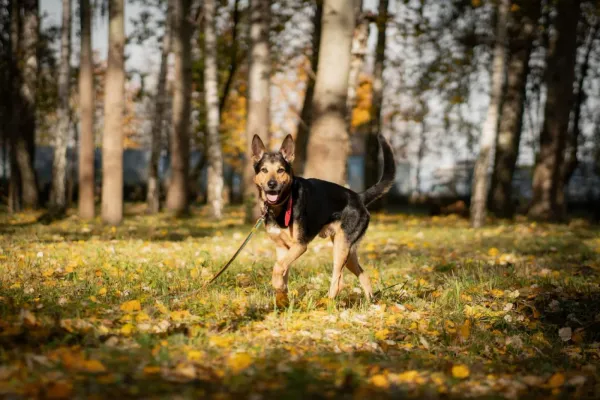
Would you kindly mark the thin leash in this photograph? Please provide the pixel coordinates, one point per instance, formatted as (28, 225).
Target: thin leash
(257, 225)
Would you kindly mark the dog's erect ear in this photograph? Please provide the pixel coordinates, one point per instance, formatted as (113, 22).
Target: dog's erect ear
(287, 149)
(258, 149)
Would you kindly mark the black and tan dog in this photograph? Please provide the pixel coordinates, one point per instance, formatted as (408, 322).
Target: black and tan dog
(300, 209)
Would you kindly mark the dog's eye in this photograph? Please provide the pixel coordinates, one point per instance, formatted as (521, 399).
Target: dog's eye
(264, 170)
(280, 171)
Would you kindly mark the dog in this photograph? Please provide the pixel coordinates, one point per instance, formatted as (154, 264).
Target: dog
(297, 210)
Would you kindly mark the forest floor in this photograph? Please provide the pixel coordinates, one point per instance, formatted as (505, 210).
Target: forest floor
(90, 311)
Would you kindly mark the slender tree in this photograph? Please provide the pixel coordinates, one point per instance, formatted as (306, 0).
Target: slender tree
(58, 200)
(86, 115)
(14, 188)
(521, 34)
(489, 132)
(328, 144)
(259, 77)
(306, 114)
(114, 103)
(560, 76)
(160, 100)
(211, 92)
(571, 161)
(25, 140)
(371, 143)
(177, 194)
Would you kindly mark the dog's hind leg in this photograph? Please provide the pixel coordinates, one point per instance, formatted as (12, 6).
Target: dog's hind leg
(354, 266)
(341, 250)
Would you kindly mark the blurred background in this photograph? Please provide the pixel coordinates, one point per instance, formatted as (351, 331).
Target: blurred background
(492, 106)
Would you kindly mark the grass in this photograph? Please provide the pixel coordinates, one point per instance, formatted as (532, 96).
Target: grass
(89, 311)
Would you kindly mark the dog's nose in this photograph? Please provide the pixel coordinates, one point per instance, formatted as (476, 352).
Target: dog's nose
(272, 184)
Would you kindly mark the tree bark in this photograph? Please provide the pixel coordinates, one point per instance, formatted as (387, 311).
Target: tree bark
(86, 115)
(521, 35)
(359, 52)
(160, 100)
(14, 188)
(114, 105)
(25, 140)
(489, 132)
(328, 145)
(304, 123)
(211, 91)
(178, 193)
(371, 172)
(560, 75)
(259, 99)
(58, 198)
(571, 161)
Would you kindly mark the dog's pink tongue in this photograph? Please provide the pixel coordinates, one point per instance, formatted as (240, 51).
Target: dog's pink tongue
(272, 197)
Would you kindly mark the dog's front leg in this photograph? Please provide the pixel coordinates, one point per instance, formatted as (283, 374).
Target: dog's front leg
(282, 266)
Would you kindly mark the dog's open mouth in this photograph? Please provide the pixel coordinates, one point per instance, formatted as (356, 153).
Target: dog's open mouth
(272, 197)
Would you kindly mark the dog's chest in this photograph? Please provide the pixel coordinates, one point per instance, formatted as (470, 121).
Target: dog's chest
(279, 234)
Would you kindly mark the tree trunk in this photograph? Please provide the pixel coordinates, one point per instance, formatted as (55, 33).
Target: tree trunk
(521, 35)
(177, 195)
(560, 76)
(306, 113)
(371, 144)
(86, 115)
(233, 57)
(358, 53)
(489, 132)
(160, 99)
(259, 99)
(58, 199)
(211, 92)
(114, 105)
(25, 140)
(570, 161)
(14, 188)
(328, 144)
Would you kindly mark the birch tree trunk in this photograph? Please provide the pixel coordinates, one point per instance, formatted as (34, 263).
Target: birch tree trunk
(371, 143)
(177, 195)
(489, 132)
(521, 32)
(25, 140)
(259, 99)
(328, 144)
(58, 195)
(160, 100)
(114, 104)
(546, 203)
(86, 115)
(306, 114)
(211, 92)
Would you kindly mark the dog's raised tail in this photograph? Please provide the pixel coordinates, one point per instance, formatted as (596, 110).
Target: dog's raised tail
(387, 178)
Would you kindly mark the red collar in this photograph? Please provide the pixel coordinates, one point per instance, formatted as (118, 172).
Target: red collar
(288, 212)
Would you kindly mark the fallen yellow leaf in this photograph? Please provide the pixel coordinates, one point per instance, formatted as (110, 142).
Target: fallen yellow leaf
(465, 330)
(127, 329)
(131, 306)
(92, 366)
(239, 362)
(382, 334)
(59, 390)
(460, 371)
(380, 380)
(102, 291)
(557, 380)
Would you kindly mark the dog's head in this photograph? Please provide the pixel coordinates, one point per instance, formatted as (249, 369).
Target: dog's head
(273, 170)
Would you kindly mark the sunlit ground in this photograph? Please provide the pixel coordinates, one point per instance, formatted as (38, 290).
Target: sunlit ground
(88, 311)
